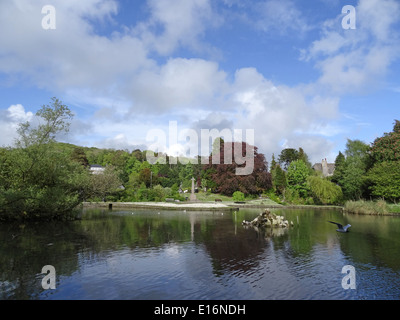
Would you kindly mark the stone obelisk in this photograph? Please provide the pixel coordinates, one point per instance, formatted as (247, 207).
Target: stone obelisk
(192, 195)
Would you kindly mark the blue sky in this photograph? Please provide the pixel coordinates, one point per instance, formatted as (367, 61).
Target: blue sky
(284, 68)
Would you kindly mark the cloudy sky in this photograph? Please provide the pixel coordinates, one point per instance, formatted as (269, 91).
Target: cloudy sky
(286, 69)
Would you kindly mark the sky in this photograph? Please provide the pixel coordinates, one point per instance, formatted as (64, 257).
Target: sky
(295, 73)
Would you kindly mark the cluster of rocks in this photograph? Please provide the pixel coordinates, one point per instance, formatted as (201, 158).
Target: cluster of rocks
(268, 219)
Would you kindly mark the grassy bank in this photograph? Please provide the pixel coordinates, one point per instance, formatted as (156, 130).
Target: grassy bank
(379, 207)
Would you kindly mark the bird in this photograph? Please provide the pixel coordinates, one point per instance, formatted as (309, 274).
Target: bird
(341, 227)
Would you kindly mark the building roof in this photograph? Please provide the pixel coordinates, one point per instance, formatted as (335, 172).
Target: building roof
(96, 166)
(330, 168)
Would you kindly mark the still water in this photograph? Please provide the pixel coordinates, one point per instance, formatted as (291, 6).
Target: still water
(144, 254)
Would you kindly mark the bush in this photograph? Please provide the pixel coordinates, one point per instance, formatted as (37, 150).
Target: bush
(379, 207)
(324, 191)
(271, 195)
(297, 175)
(238, 196)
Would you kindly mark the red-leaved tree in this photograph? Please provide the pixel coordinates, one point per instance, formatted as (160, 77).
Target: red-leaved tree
(231, 157)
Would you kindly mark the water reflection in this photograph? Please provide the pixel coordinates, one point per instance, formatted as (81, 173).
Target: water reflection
(200, 255)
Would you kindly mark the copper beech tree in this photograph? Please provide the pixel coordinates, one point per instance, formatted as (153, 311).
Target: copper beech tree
(225, 177)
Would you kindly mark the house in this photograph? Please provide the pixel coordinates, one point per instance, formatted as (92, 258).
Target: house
(96, 169)
(326, 168)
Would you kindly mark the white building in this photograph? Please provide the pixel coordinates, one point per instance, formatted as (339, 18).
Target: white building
(96, 169)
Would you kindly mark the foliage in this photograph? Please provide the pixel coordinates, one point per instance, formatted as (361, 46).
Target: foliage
(304, 157)
(324, 192)
(224, 175)
(340, 166)
(292, 196)
(280, 181)
(297, 175)
(42, 178)
(353, 182)
(37, 180)
(238, 196)
(394, 208)
(379, 207)
(272, 196)
(287, 156)
(387, 148)
(103, 184)
(56, 119)
(79, 155)
(351, 170)
(384, 180)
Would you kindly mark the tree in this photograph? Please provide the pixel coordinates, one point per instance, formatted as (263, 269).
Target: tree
(323, 191)
(297, 175)
(303, 156)
(287, 156)
(56, 118)
(384, 180)
(357, 149)
(38, 181)
(79, 155)
(146, 177)
(340, 166)
(352, 180)
(280, 181)
(238, 196)
(387, 148)
(103, 184)
(223, 176)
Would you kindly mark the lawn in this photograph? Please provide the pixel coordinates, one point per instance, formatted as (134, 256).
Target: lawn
(210, 197)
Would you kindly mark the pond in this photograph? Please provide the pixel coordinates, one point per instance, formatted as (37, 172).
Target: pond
(150, 254)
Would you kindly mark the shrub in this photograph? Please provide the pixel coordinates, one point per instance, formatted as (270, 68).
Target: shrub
(379, 207)
(238, 196)
(324, 191)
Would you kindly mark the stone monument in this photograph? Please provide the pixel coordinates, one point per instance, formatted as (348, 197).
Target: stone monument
(192, 195)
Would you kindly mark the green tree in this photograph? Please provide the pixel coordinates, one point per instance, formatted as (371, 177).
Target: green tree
(238, 196)
(287, 156)
(39, 181)
(384, 180)
(297, 175)
(79, 155)
(340, 166)
(352, 181)
(104, 184)
(280, 181)
(56, 119)
(323, 191)
(387, 148)
(303, 156)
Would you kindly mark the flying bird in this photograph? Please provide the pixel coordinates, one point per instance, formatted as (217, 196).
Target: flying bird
(341, 228)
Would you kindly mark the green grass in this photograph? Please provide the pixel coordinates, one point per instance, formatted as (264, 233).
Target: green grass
(205, 196)
(394, 208)
(379, 207)
(210, 197)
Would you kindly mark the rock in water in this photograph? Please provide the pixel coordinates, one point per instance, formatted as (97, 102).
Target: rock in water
(268, 219)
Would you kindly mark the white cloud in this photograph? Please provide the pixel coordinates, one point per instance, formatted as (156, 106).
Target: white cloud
(180, 83)
(281, 16)
(131, 87)
(9, 121)
(277, 112)
(17, 113)
(176, 23)
(72, 55)
(354, 60)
